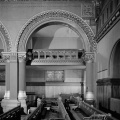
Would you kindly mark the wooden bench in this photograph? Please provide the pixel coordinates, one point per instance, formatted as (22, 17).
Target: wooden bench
(63, 111)
(88, 112)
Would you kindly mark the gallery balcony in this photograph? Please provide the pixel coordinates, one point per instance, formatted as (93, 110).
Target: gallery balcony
(55, 57)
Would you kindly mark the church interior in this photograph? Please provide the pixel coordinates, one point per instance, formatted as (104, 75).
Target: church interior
(59, 59)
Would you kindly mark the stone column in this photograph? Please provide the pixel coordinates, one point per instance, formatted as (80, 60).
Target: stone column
(22, 80)
(89, 57)
(12, 69)
(6, 57)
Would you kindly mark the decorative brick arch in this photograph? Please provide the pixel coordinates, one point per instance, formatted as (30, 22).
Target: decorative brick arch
(4, 37)
(55, 16)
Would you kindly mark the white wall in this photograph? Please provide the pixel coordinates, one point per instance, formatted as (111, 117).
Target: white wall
(71, 83)
(105, 47)
(56, 37)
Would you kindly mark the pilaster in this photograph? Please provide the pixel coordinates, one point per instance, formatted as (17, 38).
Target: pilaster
(6, 57)
(22, 80)
(10, 99)
(89, 58)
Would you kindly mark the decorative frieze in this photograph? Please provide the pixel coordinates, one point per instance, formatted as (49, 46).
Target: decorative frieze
(13, 56)
(57, 62)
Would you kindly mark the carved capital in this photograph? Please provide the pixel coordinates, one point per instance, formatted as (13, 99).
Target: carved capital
(89, 57)
(13, 56)
(21, 56)
(6, 56)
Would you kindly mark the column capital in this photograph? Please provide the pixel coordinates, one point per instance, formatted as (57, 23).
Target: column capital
(13, 56)
(89, 56)
(6, 55)
(21, 56)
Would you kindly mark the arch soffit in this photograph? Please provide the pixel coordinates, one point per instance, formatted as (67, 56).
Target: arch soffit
(58, 16)
(4, 37)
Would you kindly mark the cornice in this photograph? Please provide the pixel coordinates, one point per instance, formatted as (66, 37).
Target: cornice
(57, 62)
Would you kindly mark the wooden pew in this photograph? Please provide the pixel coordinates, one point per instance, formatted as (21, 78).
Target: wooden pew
(63, 110)
(13, 114)
(35, 114)
(91, 113)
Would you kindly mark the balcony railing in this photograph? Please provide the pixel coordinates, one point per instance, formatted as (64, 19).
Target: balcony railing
(55, 55)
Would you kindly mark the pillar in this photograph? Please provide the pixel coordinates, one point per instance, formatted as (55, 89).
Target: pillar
(12, 83)
(7, 78)
(22, 80)
(89, 77)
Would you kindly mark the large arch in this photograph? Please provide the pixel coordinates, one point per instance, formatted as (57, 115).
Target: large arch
(74, 21)
(4, 37)
(114, 61)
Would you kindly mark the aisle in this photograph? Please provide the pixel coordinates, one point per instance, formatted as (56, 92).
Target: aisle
(51, 114)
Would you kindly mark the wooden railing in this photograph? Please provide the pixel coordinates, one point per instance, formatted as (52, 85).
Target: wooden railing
(35, 114)
(13, 114)
(59, 54)
(55, 57)
(63, 111)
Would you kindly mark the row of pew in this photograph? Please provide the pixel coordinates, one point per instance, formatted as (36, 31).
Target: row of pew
(78, 109)
(40, 112)
(81, 110)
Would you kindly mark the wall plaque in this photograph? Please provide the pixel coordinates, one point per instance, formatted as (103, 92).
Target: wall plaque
(88, 10)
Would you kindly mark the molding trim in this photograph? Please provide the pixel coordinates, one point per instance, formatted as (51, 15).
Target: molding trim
(54, 16)
(4, 37)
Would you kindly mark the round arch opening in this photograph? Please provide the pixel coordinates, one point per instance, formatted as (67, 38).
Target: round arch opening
(114, 66)
(57, 16)
(55, 35)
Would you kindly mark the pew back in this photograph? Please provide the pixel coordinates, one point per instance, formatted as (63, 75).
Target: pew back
(13, 114)
(63, 111)
(35, 114)
(92, 112)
